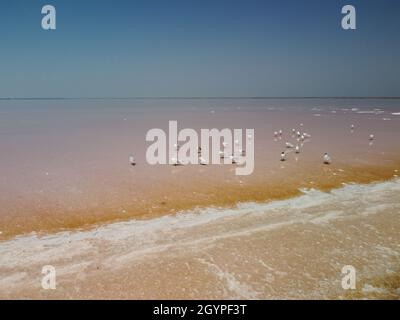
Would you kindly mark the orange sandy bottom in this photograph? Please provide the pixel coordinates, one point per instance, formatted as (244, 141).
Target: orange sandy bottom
(287, 249)
(191, 189)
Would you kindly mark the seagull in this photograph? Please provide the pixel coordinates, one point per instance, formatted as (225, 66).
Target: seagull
(280, 132)
(371, 137)
(283, 156)
(276, 133)
(222, 154)
(132, 161)
(202, 161)
(175, 162)
(289, 145)
(306, 135)
(297, 149)
(294, 130)
(352, 127)
(199, 150)
(233, 159)
(298, 134)
(327, 159)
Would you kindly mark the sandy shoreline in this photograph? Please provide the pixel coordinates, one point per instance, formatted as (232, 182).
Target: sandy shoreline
(199, 194)
(253, 251)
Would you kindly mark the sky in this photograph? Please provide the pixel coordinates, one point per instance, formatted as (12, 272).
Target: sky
(199, 48)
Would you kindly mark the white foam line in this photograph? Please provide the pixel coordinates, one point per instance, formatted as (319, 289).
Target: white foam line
(239, 289)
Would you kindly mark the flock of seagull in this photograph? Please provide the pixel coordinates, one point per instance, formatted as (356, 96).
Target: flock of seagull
(303, 137)
(234, 158)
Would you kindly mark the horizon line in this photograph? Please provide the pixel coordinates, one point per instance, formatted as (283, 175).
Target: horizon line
(198, 98)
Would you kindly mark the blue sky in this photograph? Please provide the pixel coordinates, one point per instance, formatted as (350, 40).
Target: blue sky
(199, 48)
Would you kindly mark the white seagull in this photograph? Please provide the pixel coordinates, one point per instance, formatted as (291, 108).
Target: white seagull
(283, 156)
(132, 160)
(289, 145)
(202, 161)
(297, 149)
(327, 159)
(175, 162)
(371, 137)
